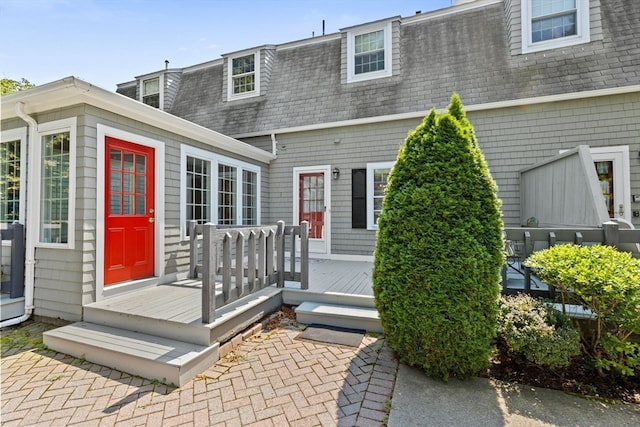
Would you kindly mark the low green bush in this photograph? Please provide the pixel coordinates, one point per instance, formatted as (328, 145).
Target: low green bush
(537, 331)
(607, 282)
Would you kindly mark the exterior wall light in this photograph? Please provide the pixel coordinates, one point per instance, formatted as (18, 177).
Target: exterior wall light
(336, 173)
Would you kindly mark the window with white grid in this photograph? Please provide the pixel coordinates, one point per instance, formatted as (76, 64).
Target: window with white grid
(198, 190)
(549, 24)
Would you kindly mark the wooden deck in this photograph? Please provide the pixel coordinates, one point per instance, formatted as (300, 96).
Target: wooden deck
(181, 302)
(344, 277)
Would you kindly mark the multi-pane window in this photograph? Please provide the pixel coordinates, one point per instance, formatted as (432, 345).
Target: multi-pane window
(549, 24)
(218, 189)
(369, 52)
(243, 75)
(151, 92)
(249, 197)
(227, 192)
(198, 190)
(380, 177)
(128, 183)
(377, 178)
(552, 19)
(9, 181)
(54, 223)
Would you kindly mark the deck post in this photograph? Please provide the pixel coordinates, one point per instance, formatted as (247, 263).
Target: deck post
(528, 250)
(611, 233)
(210, 265)
(193, 250)
(280, 253)
(304, 255)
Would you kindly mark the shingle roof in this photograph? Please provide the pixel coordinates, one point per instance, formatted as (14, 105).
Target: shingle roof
(469, 52)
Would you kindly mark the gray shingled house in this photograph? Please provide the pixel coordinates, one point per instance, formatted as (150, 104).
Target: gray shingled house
(101, 207)
(551, 87)
(536, 77)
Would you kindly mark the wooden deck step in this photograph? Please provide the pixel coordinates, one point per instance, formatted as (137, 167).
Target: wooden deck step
(153, 357)
(344, 316)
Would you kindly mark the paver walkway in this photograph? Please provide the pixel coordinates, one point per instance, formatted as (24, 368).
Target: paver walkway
(271, 379)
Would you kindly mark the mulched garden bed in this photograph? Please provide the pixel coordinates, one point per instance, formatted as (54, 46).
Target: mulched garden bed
(579, 377)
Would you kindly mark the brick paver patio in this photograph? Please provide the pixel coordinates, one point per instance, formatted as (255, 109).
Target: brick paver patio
(271, 379)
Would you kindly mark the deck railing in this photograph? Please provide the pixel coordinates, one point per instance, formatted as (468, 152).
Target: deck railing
(523, 242)
(12, 281)
(243, 260)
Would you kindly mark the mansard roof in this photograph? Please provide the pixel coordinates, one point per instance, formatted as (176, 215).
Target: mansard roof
(472, 49)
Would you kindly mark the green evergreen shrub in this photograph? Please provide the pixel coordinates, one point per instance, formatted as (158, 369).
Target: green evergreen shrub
(607, 282)
(439, 249)
(537, 331)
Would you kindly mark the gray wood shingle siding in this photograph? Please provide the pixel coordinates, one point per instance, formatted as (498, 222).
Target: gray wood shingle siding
(473, 49)
(472, 52)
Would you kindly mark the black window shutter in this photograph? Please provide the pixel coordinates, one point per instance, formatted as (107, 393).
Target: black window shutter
(359, 198)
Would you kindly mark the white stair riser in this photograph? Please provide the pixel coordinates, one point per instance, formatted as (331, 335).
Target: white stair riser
(297, 297)
(368, 325)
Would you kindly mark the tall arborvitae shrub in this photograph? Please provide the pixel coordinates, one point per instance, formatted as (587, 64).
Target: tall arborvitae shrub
(439, 249)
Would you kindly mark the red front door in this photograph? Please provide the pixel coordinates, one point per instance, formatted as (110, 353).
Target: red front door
(129, 216)
(312, 202)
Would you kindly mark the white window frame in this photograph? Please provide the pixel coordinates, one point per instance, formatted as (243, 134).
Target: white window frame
(371, 168)
(256, 72)
(215, 160)
(582, 30)
(388, 52)
(50, 128)
(19, 134)
(160, 78)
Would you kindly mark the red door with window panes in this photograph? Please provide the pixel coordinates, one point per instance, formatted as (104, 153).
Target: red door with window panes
(129, 212)
(312, 204)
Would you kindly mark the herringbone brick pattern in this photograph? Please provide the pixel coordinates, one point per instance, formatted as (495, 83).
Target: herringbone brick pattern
(272, 379)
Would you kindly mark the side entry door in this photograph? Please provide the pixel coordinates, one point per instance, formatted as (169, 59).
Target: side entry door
(130, 212)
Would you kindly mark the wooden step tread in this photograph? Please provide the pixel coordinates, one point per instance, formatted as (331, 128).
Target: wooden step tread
(135, 344)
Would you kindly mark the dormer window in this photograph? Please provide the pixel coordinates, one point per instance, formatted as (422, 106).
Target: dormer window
(369, 52)
(244, 76)
(548, 24)
(151, 92)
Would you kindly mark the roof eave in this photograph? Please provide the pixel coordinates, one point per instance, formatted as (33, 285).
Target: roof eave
(72, 91)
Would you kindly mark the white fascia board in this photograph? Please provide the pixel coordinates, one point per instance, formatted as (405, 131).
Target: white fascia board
(420, 114)
(72, 91)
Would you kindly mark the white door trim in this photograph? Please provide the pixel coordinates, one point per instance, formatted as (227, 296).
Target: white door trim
(317, 247)
(619, 155)
(102, 132)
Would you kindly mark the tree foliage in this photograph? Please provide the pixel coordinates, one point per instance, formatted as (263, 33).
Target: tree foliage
(9, 86)
(439, 249)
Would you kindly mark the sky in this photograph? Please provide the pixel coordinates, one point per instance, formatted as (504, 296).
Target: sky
(106, 42)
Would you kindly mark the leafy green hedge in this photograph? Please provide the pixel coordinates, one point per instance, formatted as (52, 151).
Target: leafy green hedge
(607, 282)
(537, 332)
(439, 249)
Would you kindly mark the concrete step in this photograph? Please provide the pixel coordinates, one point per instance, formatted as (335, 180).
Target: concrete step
(169, 361)
(344, 316)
